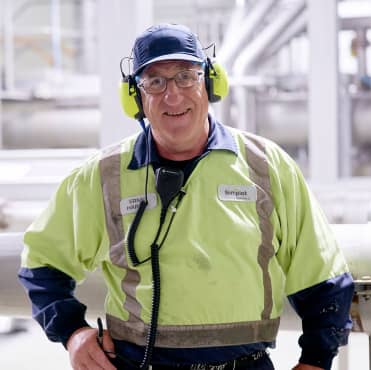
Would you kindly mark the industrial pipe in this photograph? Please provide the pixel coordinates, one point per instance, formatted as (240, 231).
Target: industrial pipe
(241, 29)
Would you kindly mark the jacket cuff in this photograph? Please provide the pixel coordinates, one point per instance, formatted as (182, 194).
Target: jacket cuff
(317, 358)
(71, 329)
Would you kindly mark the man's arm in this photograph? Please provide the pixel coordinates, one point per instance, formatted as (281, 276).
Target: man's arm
(54, 306)
(62, 317)
(324, 310)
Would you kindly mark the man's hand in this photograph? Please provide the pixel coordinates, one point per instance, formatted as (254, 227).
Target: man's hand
(306, 367)
(84, 350)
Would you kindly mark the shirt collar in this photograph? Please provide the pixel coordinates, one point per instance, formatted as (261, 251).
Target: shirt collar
(219, 139)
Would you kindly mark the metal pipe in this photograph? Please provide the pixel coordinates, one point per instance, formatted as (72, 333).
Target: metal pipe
(250, 55)
(323, 91)
(297, 27)
(55, 18)
(345, 131)
(241, 29)
(86, 19)
(1, 115)
(64, 128)
(361, 52)
(9, 79)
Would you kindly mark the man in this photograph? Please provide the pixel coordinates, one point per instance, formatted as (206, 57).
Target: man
(200, 230)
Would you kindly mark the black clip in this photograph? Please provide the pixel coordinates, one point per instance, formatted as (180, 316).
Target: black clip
(100, 333)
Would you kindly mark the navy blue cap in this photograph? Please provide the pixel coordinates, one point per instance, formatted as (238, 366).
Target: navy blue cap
(166, 42)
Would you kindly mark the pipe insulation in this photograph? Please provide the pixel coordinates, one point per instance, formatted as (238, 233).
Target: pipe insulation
(285, 120)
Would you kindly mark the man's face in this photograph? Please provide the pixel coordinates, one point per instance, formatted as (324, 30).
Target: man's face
(178, 116)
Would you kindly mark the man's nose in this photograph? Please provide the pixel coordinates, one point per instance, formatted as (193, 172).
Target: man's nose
(172, 92)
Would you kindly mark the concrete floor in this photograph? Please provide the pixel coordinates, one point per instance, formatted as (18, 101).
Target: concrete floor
(27, 348)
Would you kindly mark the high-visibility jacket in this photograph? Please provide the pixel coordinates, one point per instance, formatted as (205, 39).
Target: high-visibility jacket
(246, 233)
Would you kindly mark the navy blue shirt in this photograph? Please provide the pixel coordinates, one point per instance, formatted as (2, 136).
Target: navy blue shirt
(323, 308)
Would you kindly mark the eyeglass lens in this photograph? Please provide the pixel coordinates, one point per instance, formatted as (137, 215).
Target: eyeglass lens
(183, 79)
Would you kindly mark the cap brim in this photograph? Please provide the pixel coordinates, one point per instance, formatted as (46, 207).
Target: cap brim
(179, 56)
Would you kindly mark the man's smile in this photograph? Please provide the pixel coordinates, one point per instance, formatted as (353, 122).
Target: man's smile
(177, 114)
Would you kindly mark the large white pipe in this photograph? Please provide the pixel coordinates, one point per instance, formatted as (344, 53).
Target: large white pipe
(63, 128)
(247, 58)
(241, 29)
(297, 27)
(361, 119)
(285, 119)
(255, 49)
(354, 240)
(56, 40)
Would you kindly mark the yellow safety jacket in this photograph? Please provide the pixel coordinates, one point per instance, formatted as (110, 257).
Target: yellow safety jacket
(246, 233)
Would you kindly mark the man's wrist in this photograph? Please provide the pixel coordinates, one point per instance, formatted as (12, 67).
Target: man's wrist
(76, 332)
(301, 366)
(321, 359)
(72, 330)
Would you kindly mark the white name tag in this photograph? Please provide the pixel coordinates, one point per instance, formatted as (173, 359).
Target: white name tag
(131, 204)
(239, 193)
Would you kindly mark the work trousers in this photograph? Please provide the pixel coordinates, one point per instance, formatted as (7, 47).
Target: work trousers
(261, 363)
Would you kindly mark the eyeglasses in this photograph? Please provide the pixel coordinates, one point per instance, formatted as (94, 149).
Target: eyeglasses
(183, 79)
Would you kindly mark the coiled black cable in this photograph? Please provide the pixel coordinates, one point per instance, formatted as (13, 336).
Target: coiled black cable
(156, 290)
(132, 231)
(156, 284)
(168, 186)
(142, 206)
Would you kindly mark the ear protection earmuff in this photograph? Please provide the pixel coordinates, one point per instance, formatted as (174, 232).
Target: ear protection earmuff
(130, 99)
(216, 82)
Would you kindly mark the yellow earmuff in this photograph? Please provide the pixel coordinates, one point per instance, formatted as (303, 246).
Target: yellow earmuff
(217, 82)
(130, 98)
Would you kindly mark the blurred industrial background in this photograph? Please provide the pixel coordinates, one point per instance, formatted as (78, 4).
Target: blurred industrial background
(300, 74)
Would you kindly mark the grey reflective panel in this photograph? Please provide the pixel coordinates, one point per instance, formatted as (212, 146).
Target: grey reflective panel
(190, 336)
(259, 173)
(110, 173)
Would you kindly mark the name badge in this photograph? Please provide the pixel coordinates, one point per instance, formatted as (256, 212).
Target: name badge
(131, 204)
(239, 193)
